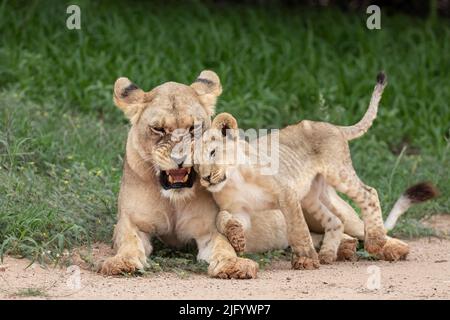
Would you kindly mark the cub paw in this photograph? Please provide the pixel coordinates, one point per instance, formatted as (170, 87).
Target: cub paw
(235, 234)
(347, 250)
(394, 250)
(118, 264)
(305, 263)
(327, 257)
(374, 243)
(235, 268)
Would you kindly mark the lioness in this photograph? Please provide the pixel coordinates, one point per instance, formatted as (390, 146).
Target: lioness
(160, 194)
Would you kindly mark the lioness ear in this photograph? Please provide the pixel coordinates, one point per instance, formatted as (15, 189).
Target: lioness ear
(128, 96)
(208, 87)
(223, 122)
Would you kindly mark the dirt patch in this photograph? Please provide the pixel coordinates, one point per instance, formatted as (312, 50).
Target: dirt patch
(90, 259)
(424, 275)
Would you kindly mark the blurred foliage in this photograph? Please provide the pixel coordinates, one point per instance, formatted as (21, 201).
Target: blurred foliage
(414, 7)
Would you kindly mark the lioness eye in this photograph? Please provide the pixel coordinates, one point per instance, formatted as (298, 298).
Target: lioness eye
(213, 153)
(158, 130)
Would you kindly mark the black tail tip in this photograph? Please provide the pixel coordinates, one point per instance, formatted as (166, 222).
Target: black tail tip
(381, 78)
(421, 192)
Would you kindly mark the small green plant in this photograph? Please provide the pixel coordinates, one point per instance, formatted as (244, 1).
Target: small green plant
(266, 258)
(181, 262)
(31, 292)
(363, 254)
(177, 265)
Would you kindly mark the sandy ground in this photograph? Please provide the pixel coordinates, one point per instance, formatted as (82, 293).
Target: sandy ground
(424, 275)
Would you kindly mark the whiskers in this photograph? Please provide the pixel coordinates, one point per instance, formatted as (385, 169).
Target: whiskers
(146, 164)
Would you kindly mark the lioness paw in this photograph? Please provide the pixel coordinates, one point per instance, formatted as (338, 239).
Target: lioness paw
(235, 234)
(118, 264)
(235, 268)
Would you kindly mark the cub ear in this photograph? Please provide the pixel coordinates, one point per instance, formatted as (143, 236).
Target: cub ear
(208, 87)
(128, 96)
(223, 122)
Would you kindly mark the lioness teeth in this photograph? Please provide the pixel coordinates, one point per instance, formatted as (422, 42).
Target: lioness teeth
(181, 175)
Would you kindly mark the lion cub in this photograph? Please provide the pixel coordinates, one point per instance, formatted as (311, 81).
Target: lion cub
(310, 155)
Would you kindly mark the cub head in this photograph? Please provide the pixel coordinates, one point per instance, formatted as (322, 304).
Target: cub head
(163, 123)
(219, 152)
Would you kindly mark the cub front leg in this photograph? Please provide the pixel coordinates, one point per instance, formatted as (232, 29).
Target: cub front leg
(223, 262)
(132, 247)
(304, 256)
(231, 228)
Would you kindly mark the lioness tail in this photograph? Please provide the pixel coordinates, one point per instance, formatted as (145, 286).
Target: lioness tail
(418, 193)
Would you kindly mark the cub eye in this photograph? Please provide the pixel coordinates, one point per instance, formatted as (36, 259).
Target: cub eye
(158, 130)
(212, 153)
(191, 129)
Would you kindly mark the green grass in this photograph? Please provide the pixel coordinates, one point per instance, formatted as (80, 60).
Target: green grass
(62, 140)
(179, 262)
(30, 292)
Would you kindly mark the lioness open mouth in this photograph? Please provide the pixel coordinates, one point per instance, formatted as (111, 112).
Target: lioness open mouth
(177, 178)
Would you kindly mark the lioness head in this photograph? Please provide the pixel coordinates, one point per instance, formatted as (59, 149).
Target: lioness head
(219, 154)
(164, 121)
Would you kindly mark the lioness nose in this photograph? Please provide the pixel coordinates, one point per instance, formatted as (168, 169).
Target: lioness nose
(179, 160)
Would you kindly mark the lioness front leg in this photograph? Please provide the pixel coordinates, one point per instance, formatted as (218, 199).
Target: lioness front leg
(304, 256)
(223, 262)
(231, 228)
(132, 247)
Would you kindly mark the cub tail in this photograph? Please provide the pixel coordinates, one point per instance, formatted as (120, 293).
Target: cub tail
(357, 130)
(415, 194)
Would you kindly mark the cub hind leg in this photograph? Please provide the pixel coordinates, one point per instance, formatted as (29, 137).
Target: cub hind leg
(393, 249)
(353, 225)
(346, 181)
(332, 225)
